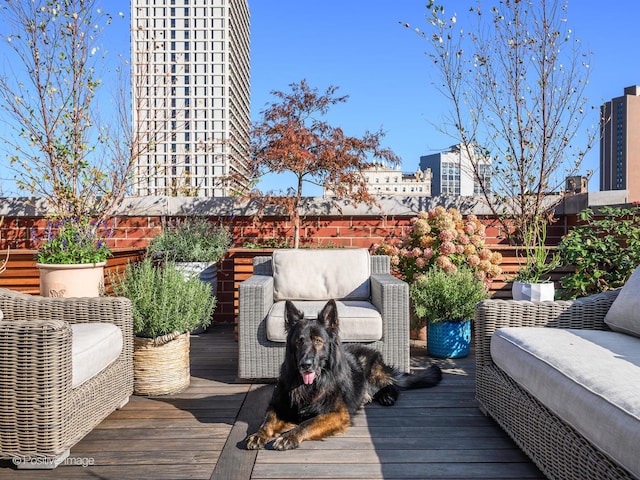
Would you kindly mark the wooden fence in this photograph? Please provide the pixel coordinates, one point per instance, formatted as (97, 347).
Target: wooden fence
(22, 274)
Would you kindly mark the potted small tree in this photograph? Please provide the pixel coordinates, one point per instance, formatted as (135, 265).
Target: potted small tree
(440, 238)
(446, 302)
(166, 307)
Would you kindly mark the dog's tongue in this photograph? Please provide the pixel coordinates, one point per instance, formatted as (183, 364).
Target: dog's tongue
(308, 377)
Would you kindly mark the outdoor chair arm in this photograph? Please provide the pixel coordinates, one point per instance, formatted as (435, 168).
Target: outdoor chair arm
(586, 313)
(17, 306)
(256, 294)
(36, 365)
(22, 306)
(390, 296)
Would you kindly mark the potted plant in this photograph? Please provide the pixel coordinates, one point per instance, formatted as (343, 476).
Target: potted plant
(446, 301)
(440, 238)
(532, 281)
(195, 246)
(166, 307)
(78, 167)
(71, 259)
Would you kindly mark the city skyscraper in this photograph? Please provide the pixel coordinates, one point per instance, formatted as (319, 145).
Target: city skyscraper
(620, 144)
(190, 95)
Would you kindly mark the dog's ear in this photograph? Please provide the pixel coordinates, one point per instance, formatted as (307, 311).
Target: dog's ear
(329, 315)
(291, 315)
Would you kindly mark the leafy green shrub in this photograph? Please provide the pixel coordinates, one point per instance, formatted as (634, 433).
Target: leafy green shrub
(163, 300)
(440, 296)
(191, 240)
(603, 251)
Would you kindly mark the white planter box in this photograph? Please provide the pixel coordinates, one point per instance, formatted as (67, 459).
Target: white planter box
(533, 291)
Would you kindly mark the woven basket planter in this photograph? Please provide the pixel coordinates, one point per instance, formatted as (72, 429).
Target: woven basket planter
(161, 365)
(449, 339)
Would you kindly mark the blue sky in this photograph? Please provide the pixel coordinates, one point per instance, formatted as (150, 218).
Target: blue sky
(360, 46)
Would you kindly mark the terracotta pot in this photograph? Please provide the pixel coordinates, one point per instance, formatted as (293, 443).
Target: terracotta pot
(418, 333)
(73, 280)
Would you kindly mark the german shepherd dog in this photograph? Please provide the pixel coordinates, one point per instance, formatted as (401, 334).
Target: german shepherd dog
(322, 382)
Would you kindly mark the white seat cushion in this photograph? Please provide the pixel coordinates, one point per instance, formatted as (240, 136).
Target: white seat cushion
(359, 321)
(93, 348)
(589, 378)
(624, 314)
(323, 274)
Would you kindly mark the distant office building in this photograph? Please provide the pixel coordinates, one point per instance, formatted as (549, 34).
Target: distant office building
(382, 180)
(620, 144)
(190, 84)
(452, 173)
(390, 181)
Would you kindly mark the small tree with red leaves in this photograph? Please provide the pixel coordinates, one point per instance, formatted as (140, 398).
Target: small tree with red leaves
(293, 137)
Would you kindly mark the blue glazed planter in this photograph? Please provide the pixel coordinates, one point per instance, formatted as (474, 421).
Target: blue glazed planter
(449, 339)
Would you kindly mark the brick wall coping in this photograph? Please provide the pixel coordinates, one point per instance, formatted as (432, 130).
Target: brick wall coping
(230, 207)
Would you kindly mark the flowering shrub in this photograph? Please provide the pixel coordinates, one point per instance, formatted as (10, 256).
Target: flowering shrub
(72, 241)
(444, 239)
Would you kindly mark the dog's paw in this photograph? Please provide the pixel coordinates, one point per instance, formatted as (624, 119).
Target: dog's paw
(387, 396)
(287, 441)
(256, 441)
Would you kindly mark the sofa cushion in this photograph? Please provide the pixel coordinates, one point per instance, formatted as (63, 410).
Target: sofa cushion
(589, 378)
(624, 314)
(305, 274)
(359, 321)
(94, 347)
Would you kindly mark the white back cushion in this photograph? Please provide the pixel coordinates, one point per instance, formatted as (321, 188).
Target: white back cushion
(624, 314)
(323, 274)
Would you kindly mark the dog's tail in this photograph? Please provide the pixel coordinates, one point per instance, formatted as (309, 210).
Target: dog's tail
(429, 377)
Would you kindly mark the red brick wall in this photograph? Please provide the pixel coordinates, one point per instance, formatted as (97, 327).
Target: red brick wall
(130, 233)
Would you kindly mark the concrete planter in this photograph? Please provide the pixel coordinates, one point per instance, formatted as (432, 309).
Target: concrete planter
(207, 272)
(537, 292)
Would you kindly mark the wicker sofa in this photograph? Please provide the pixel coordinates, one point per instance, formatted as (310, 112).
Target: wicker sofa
(362, 285)
(568, 394)
(54, 385)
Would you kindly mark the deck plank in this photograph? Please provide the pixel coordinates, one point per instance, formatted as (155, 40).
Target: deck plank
(436, 433)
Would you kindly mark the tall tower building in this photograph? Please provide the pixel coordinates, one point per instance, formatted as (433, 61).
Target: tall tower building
(190, 96)
(620, 144)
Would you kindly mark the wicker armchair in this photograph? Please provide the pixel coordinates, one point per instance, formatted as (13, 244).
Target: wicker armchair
(554, 446)
(41, 415)
(260, 358)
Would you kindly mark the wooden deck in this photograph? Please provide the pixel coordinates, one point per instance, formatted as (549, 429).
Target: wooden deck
(429, 434)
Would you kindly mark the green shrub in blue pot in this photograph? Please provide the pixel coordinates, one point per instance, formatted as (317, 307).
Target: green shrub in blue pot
(446, 302)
